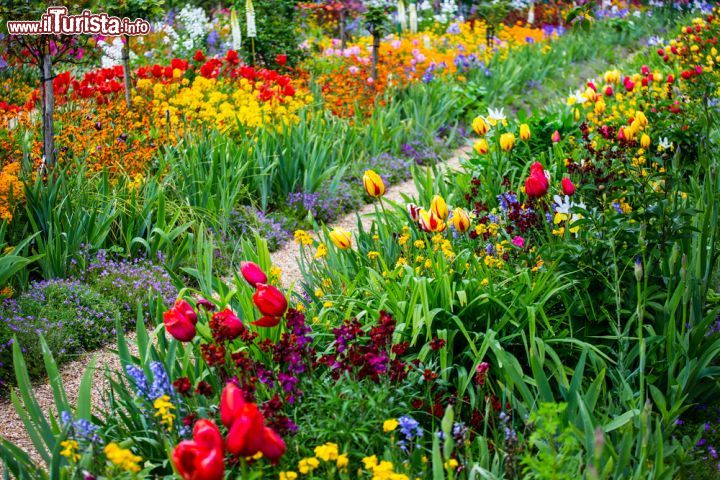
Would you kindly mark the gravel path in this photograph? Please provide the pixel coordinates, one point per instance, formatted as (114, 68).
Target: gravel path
(286, 258)
(12, 427)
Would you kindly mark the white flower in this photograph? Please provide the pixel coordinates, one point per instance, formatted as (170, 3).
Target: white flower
(664, 144)
(563, 204)
(496, 115)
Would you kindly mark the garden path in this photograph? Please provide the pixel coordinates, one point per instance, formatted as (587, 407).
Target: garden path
(12, 427)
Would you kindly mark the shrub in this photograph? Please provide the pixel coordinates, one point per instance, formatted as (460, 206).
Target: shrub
(129, 283)
(71, 316)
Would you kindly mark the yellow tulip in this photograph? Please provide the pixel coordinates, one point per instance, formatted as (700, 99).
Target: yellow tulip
(599, 107)
(439, 207)
(461, 220)
(480, 126)
(481, 146)
(430, 222)
(507, 141)
(374, 185)
(645, 140)
(640, 119)
(524, 132)
(341, 238)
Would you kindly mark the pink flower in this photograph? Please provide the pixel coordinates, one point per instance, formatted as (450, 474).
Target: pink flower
(556, 136)
(519, 241)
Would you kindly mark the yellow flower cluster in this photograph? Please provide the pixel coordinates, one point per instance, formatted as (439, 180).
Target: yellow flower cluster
(122, 457)
(303, 238)
(164, 408)
(382, 470)
(328, 453)
(70, 450)
(219, 103)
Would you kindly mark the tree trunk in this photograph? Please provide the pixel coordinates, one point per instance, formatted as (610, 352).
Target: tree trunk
(375, 54)
(48, 108)
(126, 70)
(343, 40)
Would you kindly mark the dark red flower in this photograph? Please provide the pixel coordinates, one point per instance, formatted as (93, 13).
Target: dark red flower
(269, 300)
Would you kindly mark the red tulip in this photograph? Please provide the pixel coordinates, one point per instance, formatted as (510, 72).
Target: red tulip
(186, 309)
(281, 59)
(568, 187)
(645, 70)
(202, 457)
(269, 300)
(245, 436)
(199, 56)
(629, 84)
(536, 185)
(273, 447)
(267, 321)
(556, 136)
(670, 79)
(227, 325)
(609, 91)
(253, 273)
(536, 168)
(232, 402)
(180, 321)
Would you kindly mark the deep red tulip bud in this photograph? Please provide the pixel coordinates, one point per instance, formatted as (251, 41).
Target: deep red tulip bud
(281, 59)
(201, 458)
(568, 187)
(609, 91)
(180, 321)
(629, 84)
(252, 273)
(661, 52)
(645, 70)
(199, 56)
(269, 300)
(670, 79)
